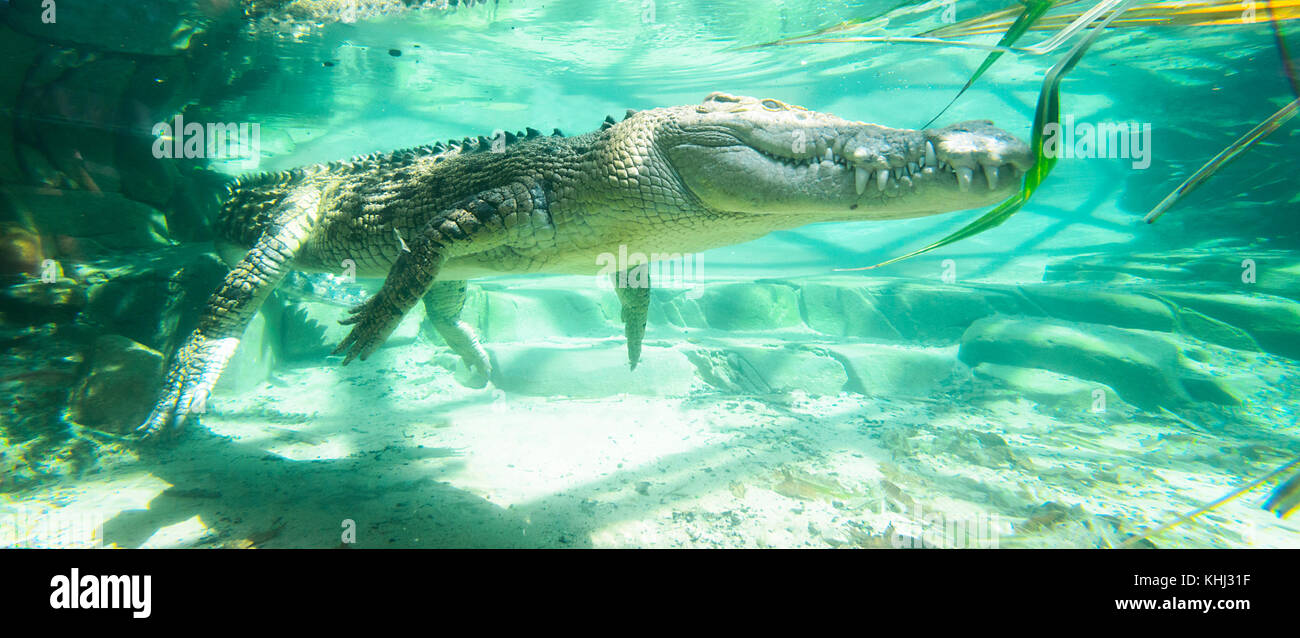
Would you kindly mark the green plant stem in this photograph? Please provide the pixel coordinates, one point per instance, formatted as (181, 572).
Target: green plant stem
(1205, 508)
(1047, 112)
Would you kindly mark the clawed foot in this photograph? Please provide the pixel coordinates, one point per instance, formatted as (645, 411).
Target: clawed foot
(184, 396)
(374, 320)
(461, 339)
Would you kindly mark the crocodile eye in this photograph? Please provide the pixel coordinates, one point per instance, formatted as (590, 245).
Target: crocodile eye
(719, 96)
(772, 105)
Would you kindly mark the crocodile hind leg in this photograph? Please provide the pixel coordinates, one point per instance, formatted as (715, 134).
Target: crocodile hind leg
(480, 221)
(198, 363)
(443, 304)
(633, 288)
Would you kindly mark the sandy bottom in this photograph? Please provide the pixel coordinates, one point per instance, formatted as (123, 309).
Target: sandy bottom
(394, 452)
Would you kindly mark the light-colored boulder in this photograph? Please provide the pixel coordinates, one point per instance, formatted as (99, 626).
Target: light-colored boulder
(1147, 369)
(532, 313)
(756, 306)
(842, 309)
(936, 313)
(1273, 322)
(1073, 303)
(1052, 389)
(889, 370)
(771, 369)
(1211, 330)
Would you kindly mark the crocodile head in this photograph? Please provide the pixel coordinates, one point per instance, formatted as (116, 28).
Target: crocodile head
(750, 155)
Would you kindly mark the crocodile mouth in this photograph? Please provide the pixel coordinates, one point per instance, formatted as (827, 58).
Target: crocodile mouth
(849, 169)
(869, 176)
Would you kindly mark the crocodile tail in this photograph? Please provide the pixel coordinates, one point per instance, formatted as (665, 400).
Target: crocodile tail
(250, 203)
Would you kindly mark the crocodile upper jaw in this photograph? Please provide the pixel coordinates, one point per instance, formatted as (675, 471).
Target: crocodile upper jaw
(762, 156)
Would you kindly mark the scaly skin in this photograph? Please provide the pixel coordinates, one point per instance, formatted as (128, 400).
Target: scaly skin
(671, 180)
(311, 13)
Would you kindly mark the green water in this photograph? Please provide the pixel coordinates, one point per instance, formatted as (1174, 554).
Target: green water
(1073, 378)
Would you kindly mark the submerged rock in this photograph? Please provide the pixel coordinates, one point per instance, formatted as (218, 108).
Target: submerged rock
(1211, 330)
(18, 52)
(888, 370)
(39, 365)
(1275, 272)
(1126, 310)
(843, 310)
(159, 27)
(897, 310)
(1147, 369)
(1273, 322)
(117, 390)
(34, 302)
(1051, 389)
(542, 312)
(93, 223)
(761, 370)
(750, 306)
(930, 313)
(20, 250)
(154, 298)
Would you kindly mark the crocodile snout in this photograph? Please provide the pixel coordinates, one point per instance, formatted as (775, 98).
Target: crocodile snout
(976, 149)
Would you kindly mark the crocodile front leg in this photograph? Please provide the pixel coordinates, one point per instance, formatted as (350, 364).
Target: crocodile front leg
(443, 304)
(198, 363)
(478, 223)
(633, 288)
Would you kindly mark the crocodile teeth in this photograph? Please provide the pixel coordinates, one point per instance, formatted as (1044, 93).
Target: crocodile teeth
(860, 179)
(991, 175)
(964, 177)
(912, 168)
(821, 146)
(930, 159)
(828, 155)
(882, 178)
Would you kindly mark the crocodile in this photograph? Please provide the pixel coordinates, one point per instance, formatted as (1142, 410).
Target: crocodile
(672, 180)
(303, 15)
